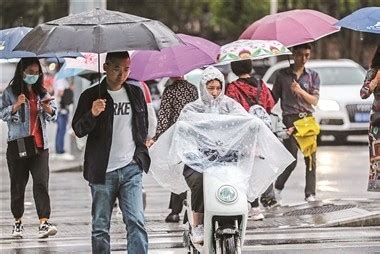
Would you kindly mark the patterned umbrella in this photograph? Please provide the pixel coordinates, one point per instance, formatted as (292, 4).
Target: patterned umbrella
(251, 49)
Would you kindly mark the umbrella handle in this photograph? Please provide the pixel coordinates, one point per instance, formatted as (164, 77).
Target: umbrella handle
(99, 75)
(22, 113)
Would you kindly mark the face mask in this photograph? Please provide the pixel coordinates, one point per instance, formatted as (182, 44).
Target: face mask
(31, 79)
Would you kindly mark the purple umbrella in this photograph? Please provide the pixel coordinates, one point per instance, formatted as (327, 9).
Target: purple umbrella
(174, 61)
(292, 28)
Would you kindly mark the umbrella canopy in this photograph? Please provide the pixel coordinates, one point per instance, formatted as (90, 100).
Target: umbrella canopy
(80, 66)
(10, 37)
(174, 61)
(251, 49)
(98, 31)
(363, 20)
(292, 28)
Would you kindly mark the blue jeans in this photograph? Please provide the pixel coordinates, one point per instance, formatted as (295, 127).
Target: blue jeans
(125, 184)
(61, 132)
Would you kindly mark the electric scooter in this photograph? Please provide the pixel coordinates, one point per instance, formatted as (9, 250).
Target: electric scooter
(225, 214)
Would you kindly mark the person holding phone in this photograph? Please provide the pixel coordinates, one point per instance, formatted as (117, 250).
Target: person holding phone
(298, 89)
(26, 107)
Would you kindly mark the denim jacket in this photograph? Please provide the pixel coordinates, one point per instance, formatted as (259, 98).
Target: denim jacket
(17, 128)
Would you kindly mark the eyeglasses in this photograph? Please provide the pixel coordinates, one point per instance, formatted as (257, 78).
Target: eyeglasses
(118, 69)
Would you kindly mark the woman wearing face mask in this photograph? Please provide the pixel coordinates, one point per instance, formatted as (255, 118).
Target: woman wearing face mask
(26, 107)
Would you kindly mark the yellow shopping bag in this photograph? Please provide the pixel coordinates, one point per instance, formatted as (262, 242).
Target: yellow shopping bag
(306, 133)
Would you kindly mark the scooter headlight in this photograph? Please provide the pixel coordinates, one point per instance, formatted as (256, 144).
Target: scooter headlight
(227, 194)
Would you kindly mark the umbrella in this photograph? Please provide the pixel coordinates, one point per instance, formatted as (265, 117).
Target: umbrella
(98, 31)
(251, 49)
(174, 61)
(363, 20)
(292, 28)
(88, 64)
(10, 37)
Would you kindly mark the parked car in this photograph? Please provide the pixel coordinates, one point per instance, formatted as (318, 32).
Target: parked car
(340, 110)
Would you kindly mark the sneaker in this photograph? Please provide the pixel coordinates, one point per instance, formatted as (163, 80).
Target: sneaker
(256, 214)
(197, 234)
(46, 229)
(310, 198)
(65, 156)
(269, 202)
(17, 230)
(172, 218)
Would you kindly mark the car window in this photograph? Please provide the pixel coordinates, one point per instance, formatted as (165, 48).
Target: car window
(340, 75)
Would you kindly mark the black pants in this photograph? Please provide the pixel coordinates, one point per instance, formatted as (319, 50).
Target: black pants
(268, 194)
(19, 170)
(195, 183)
(291, 145)
(176, 202)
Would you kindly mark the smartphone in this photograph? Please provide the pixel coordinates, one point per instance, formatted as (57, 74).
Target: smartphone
(47, 100)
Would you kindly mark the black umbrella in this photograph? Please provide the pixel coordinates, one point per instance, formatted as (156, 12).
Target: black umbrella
(98, 31)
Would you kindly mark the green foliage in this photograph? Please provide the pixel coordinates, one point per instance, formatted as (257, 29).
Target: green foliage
(231, 18)
(30, 12)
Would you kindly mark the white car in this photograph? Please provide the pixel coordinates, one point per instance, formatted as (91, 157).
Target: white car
(340, 110)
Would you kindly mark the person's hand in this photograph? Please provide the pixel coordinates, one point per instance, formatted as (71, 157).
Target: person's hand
(296, 88)
(20, 100)
(290, 131)
(98, 107)
(374, 82)
(149, 142)
(377, 76)
(46, 106)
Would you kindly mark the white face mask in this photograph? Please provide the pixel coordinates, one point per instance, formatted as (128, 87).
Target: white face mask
(30, 79)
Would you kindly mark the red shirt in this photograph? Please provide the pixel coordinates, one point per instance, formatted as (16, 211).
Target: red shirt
(34, 125)
(245, 94)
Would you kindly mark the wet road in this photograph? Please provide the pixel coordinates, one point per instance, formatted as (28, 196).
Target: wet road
(342, 174)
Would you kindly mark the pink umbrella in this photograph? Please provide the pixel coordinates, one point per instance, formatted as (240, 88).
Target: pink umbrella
(292, 28)
(174, 61)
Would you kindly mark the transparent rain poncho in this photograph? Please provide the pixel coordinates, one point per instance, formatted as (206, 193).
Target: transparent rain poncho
(220, 137)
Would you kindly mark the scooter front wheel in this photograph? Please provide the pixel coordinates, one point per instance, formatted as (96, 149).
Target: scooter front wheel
(229, 244)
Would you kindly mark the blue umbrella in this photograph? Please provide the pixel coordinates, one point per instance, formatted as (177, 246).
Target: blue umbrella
(363, 20)
(9, 38)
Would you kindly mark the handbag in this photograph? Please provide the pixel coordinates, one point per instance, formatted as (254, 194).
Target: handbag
(375, 119)
(24, 147)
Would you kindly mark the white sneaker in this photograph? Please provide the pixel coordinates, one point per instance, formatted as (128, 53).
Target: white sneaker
(66, 157)
(310, 198)
(256, 214)
(18, 230)
(197, 234)
(277, 194)
(46, 229)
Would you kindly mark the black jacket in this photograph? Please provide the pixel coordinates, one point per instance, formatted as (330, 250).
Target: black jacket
(99, 130)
